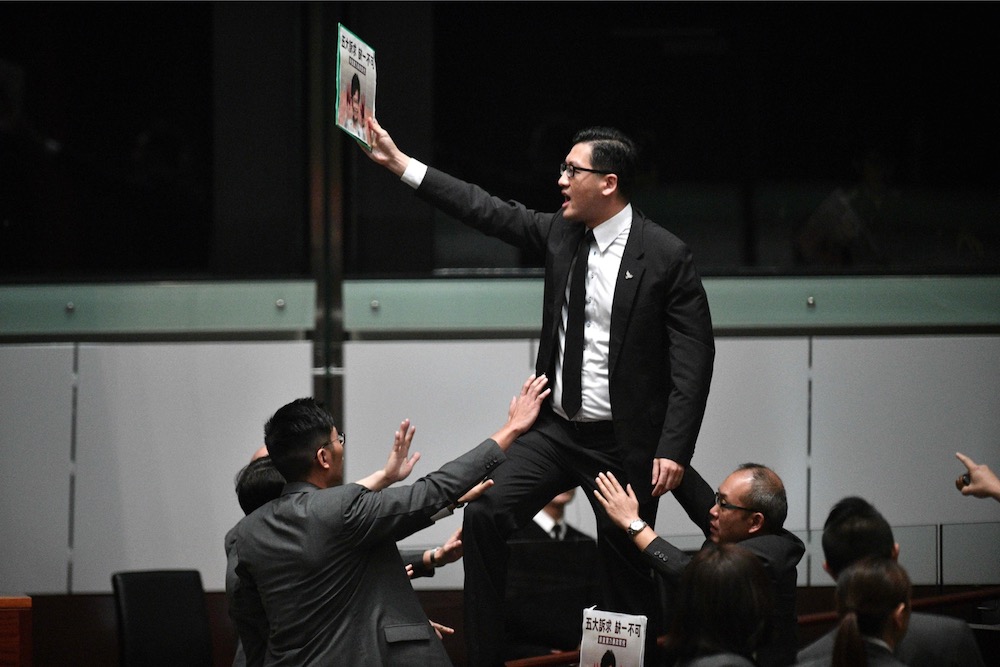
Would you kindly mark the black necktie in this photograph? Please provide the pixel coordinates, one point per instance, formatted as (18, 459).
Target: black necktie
(557, 532)
(573, 352)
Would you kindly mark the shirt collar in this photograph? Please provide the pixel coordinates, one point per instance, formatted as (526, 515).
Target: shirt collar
(609, 230)
(545, 521)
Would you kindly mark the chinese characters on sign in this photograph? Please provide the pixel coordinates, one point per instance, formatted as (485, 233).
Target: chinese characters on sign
(622, 635)
(355, 84)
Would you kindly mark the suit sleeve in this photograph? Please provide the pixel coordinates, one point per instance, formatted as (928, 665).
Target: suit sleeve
(399, 511)
(508, 221)
(247, 612)
(665, 558)
(692, 355)
(697, 498)
(415, 558)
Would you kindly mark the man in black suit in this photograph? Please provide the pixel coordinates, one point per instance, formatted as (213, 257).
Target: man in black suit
(855, 530)
(627, 343)
(748, 509)
(550, 523)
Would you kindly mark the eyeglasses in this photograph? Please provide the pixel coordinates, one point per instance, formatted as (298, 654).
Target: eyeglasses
(342, 437)
(571, 169)
(726, 505)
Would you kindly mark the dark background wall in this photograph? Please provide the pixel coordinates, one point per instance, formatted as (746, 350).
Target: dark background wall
(151, 140)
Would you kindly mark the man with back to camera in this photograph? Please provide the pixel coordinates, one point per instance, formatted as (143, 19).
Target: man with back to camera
(749, 509)
(320, 579)
(855, 530)
(628, 345)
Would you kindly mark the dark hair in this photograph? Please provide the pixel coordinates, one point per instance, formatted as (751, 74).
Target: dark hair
(294, 433)
(257, 483)
(608, 659)
(855, 530)
(767, 496)
(355, 85)
(724, 604)
(612, 151)
(868, 592)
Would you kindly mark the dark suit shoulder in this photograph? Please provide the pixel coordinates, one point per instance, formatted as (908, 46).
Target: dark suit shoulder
(937, 640)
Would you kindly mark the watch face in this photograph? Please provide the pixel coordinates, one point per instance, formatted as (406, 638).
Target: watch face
(636, 526)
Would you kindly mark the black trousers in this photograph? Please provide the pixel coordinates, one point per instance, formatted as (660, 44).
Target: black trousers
(551, 458)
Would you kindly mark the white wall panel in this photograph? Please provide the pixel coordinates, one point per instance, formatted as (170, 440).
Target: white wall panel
(455, 392)
(163, 429)
(36, 410)
(889, 413)
(757, 412)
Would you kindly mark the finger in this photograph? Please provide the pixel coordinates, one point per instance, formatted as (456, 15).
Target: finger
(611, 481)
(527, 384)
(969, 463)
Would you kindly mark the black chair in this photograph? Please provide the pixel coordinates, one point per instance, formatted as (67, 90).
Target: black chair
(162, 619)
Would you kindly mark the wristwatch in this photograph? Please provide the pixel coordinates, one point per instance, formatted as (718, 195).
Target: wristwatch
(635, 527)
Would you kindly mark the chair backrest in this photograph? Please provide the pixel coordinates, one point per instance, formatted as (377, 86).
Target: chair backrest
(162, 619)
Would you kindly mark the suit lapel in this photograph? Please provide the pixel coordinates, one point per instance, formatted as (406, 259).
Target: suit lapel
(626, 289)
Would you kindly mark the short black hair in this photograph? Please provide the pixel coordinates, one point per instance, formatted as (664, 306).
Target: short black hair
(612, 151)
(855, 530)
(355, 85)
(294, 433)
(258, 483)
(767, 496)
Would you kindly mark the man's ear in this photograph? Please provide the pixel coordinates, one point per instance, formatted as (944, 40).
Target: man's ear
(895, 551)
(826, 568)
(756, 523)
(901, 618)
(610, 184)
(324, 457)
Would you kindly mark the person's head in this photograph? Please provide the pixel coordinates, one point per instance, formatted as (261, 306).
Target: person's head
(556, 507)
(854, 530)
(257, 483)
(356, 98)
(598, 176)
(873, 600)
(724, 603)
(751, 501)
(608, 659)
(304, 444)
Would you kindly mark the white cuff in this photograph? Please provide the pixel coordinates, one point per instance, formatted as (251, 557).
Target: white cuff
(414, 173)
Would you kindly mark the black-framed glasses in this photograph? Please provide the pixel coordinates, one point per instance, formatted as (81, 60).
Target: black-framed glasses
(342, 437)
(726, 505)
(571, 169)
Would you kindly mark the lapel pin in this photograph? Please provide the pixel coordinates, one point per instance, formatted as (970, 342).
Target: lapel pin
(628, 275)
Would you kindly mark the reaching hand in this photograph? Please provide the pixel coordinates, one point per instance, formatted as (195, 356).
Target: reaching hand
(524, 407)
(398, 467)
(442, 630)
(451, 550)
(476, 491)
(980, 481)
(621, 504)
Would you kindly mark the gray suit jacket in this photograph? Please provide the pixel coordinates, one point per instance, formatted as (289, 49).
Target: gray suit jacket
(930, 641)
(319, 580)
(661, 347)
